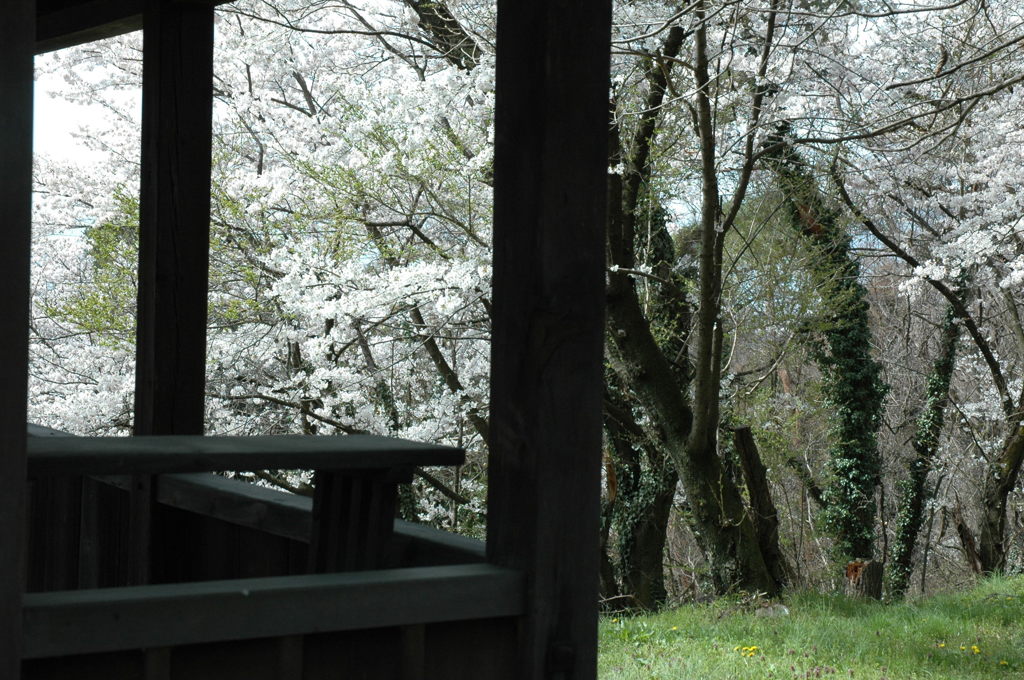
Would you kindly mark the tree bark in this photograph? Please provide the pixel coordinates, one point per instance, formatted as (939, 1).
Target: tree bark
(645, 487)
(762, 508)
(842, 350)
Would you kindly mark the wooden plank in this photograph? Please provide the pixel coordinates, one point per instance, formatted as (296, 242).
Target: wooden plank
(232, 500)
(157, 664)
(33, 430)
(550, 178)
(16, 31)
(420, 545)
(165, 453)
(289, 658)
(89, 535)
(174, 240)
(413, 652)
(353, 519)
(109, 619)
(287, 515)
(471, 650)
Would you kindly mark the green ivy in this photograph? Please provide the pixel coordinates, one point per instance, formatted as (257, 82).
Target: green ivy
(840, 345)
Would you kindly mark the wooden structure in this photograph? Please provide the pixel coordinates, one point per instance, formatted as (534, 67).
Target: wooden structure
(127, 559)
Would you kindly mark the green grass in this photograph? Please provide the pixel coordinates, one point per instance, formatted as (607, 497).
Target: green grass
(974, 634)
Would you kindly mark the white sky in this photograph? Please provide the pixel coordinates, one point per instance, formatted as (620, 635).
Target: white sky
(56, 121)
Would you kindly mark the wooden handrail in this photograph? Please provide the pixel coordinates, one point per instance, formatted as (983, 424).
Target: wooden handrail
(110, 619)
(58, 456)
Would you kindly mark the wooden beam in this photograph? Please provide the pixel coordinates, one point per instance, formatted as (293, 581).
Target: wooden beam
(110, 619)
(290, 516)
(174, 217)
(16, 31)
(550, 178)
(75, 23)
(84, 22)
(50, 456)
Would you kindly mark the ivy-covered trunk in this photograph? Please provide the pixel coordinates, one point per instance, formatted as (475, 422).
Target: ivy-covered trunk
(641, 485)
(913, 491)
(841, 347)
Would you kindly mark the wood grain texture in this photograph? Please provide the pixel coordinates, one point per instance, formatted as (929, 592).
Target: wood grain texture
(49, 456)
(16, 30)
(548, 328)
(109, 619)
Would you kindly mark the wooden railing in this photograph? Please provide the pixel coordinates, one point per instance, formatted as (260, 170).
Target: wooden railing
(414, 602)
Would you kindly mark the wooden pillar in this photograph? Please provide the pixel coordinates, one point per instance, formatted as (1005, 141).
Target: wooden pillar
(546, 375)
(174, 215)
(17, 43)
(174, 237)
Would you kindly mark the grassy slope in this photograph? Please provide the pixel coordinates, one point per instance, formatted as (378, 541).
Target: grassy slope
(973, 634)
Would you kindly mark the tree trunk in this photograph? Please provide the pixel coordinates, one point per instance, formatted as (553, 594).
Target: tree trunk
(1000, 481)
(643, 555)
(762, 509)
(864, 579)
(656, 375)
(913, 491)
(841, 348)
(644, 487)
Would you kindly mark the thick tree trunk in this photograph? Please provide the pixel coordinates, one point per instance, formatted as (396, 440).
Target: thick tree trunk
(643, 554)
(719, 519)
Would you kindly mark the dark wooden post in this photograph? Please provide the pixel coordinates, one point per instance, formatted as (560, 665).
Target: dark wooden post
(174, 235)
(174, 215)
(17, 43)
(546, 385)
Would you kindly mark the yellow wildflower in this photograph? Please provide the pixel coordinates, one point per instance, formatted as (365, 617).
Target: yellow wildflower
(974, 648)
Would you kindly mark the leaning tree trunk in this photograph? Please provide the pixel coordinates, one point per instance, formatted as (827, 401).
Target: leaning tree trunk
(913, 490)
(762, 508)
